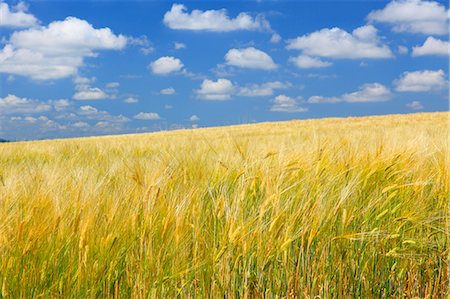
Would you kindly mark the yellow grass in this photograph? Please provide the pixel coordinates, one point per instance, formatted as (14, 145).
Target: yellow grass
(331, 208)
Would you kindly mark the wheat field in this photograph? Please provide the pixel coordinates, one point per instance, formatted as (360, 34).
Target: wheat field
(331, 208)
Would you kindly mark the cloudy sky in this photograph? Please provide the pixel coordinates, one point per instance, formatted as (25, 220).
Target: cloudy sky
(93, 68)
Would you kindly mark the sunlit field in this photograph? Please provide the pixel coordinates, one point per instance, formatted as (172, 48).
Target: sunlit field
(334, 208)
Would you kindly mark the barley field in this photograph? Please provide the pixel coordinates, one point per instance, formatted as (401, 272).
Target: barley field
(331, 208)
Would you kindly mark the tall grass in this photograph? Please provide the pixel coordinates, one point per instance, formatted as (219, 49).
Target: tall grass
(331, 208)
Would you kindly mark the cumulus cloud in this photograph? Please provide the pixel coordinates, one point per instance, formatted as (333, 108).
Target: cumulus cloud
(131, 100)
(179, 46)
(275, 38)
(147, 116)
(305, 62)
(363, 42)
(92, 113)
(83, 81)
(322, 99)
(402, 50)
(166, 65)
(264, 89)
(219, 90)
(432, 46)
(112, 85)
(16, 16)
(223, 89)
(91, 93)
(421, 81)
(72, 120)
(147, 50)
(415, 105)
(369, 92)
(194, 118)
(14, 104)
(88, 110)
(167, 91)
(414, 16)
(80, 125)
(56, 51)
(28, 127)
(211, 20)
(250, 58)
(284, 103)
(85, 92)
(60, 105)
(40, 121)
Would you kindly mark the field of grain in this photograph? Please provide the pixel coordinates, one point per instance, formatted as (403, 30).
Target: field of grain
(332, 208)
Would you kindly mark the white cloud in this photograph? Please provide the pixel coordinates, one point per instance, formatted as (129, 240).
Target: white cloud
(261, 90)
(415, 105)
(92, 113)
(61, 104)
(305, 61)
(194, 118)
(112, 85)
(16, 17)
(250, 58)
(211, 20)
(147, 50)
(363, 42)
(102, 124)
(84, 90)
(322, 99)
(68, 37)
(432, 46)
(147, 116)
(28, 127)
(56, 51)
(80, 125)
(143, 42)
(283, 103)
(421, 81)
(223, 89)
(219, 90)
(69, 115)
(168, 106)
(91, 93)
(41, 121)
(369, 92)
(166, 65)
(131, 100)
(14, 104)
(179, 46)
(83, 81)
(167, 91)
(89, 110)
(414, 16)
(275, 38)
(402, 50)
(74, 119)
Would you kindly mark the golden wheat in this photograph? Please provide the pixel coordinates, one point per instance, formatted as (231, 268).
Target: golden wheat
(355, 207)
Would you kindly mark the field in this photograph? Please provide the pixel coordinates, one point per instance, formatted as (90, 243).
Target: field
(334, 208)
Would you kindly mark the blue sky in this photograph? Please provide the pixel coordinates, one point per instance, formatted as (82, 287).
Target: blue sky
(94, 68)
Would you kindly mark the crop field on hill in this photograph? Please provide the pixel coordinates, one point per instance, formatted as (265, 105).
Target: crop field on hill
(335, 208)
